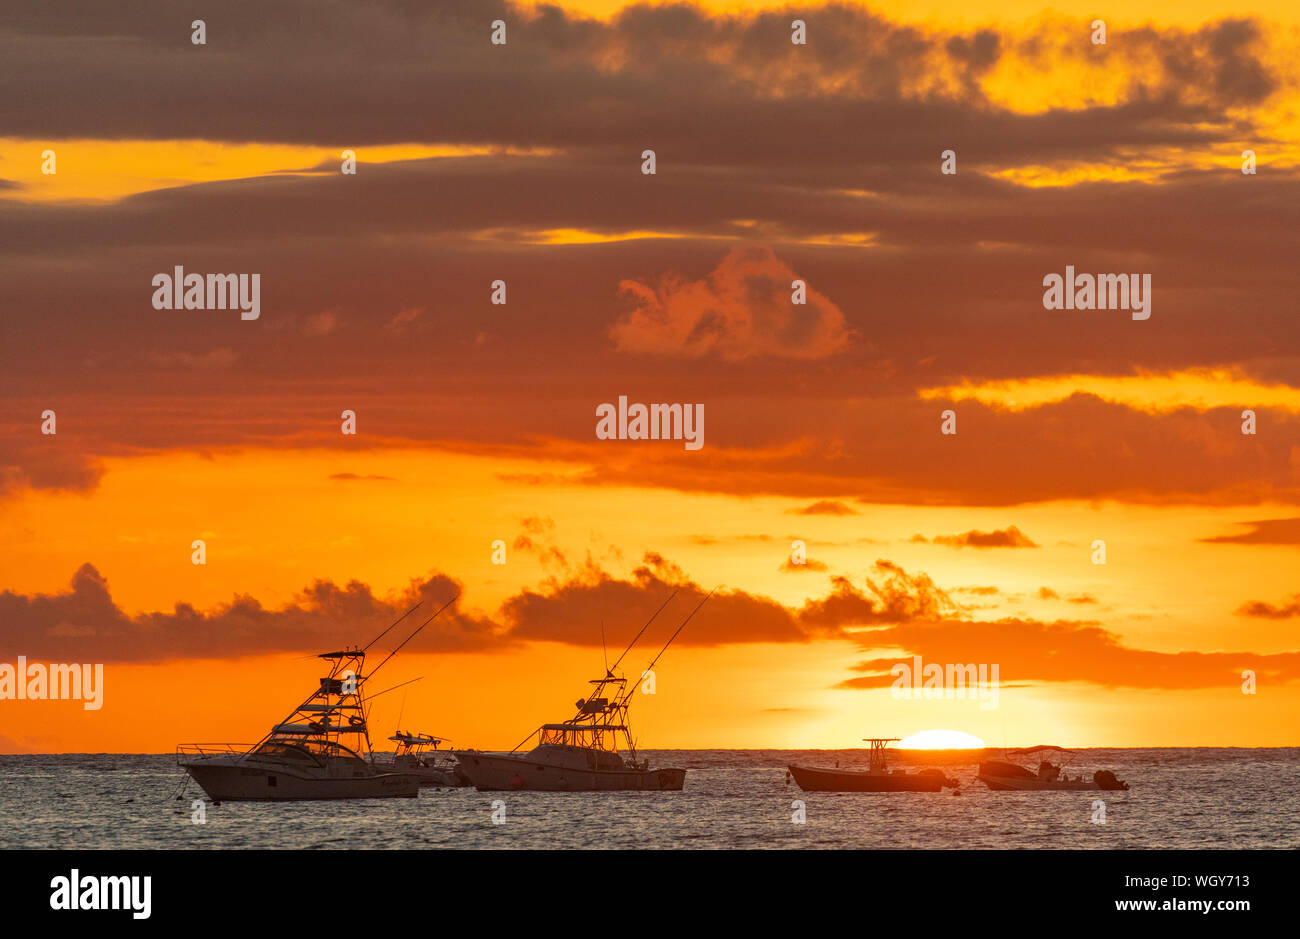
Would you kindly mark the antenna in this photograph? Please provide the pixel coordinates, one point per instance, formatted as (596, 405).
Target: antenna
(604, 650)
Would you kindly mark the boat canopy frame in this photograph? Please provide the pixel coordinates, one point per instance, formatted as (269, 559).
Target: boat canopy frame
(876, 760)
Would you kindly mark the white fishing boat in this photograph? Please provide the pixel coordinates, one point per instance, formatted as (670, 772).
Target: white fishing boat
(581, 754)
(1006, 776)
(304, 756)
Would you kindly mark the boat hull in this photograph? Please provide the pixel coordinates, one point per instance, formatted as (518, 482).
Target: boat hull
(1006, 784)
(429, 778)
(815, 779)
(1001, 776)
(229, 782)
(491, 773)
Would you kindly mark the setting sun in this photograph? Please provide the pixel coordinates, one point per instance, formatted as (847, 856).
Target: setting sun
(941, 740)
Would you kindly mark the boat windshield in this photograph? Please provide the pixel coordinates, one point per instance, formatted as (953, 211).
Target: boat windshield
(289, 752)
(310, 749)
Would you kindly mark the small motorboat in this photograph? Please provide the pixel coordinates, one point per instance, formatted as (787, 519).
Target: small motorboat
(875, 778)
(1006, 776)
(436, 768)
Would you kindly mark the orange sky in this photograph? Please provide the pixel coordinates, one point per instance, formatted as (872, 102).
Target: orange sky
(476, 421)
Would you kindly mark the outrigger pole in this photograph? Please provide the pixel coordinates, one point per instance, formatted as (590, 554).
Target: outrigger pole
(394, 623)
(394, 688)
(609, 669)
(627, 696)
(362, 679)
(411, 636)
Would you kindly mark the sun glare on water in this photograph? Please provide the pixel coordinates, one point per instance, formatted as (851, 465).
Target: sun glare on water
(941, 740)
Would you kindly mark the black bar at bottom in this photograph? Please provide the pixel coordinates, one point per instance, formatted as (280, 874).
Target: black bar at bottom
(910, 888)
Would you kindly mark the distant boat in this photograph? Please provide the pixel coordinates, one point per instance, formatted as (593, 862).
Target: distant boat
(582, 753)
(875, 778)
(1006, 776)
(303, 756)
(432, 768)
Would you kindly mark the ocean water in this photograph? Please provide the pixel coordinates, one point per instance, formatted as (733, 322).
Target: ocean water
(1179, 798)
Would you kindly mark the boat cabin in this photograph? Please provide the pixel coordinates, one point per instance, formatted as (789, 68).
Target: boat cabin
(317, 752)
(577, 758)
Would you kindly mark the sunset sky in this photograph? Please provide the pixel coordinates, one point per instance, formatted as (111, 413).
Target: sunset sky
(476, 422)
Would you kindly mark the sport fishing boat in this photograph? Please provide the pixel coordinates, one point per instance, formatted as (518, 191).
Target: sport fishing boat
(582, 753)
(1006, 776)
(303, 756)
(436, 768)
(875, 778)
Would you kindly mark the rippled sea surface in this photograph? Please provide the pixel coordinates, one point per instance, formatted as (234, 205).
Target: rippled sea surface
(1180, 798)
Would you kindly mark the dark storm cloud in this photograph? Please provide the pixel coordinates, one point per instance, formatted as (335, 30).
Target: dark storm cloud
(1241, 223)
(84, 623)
(702, 87)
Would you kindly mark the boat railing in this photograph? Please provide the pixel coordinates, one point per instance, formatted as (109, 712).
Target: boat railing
(208, 750)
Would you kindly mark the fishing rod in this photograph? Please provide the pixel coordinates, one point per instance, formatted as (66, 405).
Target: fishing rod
(411, 636)
(679, 629)
(634, 685)
(394, 688)
(609, 670)
(365, 715)
(395, 622)
(630, 690)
